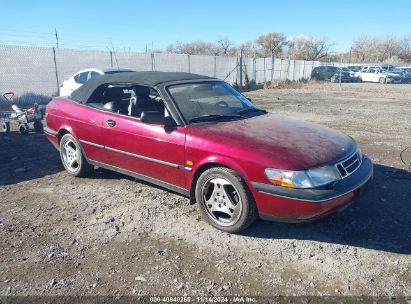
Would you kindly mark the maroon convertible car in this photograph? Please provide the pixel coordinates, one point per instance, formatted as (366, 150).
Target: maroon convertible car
(200, 137)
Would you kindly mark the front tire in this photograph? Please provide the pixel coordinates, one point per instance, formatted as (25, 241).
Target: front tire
(382, 80)
(224, 200)
(5, 126)
(72, 157)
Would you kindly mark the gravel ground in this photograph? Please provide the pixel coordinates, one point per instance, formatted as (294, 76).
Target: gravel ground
(112, 235)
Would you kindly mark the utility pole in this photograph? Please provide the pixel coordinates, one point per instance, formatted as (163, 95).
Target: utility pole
(57, 38)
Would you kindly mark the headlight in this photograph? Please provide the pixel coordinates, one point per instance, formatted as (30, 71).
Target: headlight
(303, 179)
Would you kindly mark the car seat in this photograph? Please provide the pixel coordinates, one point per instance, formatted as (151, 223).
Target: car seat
(141, 102)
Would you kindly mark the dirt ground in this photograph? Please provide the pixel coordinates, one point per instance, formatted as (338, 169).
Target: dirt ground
(112, 235)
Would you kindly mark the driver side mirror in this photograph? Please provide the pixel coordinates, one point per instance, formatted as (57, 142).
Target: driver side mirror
(157, 118)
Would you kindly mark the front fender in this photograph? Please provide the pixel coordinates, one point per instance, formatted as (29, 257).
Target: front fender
(223, 161)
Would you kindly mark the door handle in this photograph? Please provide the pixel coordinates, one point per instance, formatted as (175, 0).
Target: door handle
(110, 123)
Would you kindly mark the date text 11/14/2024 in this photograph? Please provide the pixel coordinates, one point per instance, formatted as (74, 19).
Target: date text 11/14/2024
(202, 299)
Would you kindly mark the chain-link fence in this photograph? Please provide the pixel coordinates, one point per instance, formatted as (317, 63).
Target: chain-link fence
(35, 73)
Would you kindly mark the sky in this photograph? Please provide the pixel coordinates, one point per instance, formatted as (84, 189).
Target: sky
(133, 25)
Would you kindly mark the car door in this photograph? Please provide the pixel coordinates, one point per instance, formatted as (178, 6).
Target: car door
(316, 73)
(151, 150)
(85, 123)
(373, 75)
(329, 73)
(364, 74)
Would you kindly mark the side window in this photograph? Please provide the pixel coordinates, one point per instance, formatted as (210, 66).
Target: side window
(364, 70)
(372, 70)
(93, 74)
(81, 78)
(145, 99)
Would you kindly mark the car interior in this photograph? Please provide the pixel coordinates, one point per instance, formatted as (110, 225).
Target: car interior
(127, 99)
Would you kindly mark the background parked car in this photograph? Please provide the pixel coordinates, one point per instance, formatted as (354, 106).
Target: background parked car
(332, 73)
(381, 74)
(354, 69)
(344, 75)
(79, 78)
(406, 74)
(323, 72)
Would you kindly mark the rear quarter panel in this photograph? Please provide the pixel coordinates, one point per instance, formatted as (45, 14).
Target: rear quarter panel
(83, 122)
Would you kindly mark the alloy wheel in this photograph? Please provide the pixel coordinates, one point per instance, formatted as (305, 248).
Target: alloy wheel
(71, 156)
(222, 201)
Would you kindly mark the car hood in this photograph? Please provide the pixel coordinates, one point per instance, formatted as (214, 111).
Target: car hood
(274, 141)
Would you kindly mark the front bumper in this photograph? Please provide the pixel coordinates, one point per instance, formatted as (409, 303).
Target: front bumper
(285, 204)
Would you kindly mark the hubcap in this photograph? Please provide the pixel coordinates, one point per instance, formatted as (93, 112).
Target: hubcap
(222, 201)
(71, 156)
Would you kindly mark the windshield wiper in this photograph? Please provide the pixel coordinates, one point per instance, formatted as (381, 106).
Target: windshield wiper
(211, 117)
(250, 110)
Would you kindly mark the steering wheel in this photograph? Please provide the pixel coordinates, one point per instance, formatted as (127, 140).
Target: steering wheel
(222, 104)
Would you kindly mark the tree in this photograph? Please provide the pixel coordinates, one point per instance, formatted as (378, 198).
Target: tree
(224, 45)
(388, 47)
(375, 49)
(360, 49)
(272, 43)
(193, 48)
(405, 49)
(249, 49)
(308, 48)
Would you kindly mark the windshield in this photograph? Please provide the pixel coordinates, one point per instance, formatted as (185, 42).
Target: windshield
(210, 100)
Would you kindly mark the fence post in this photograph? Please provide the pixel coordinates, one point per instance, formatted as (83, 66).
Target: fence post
(303, 70)
(265, 78)
(272, 66)
(153, 63)
(215, 66)
(293, 71)
(56, 70)
(241, 68)
(237, 71)
(281, 68)
(189, 63)
(254, 69)
(111, 58)
(288, 68)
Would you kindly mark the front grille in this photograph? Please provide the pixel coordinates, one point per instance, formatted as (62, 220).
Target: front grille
(349, 165)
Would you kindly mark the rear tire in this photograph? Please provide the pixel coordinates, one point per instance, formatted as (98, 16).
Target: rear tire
(5, 127)
(72, 157)
(224, 200)
(24, 129)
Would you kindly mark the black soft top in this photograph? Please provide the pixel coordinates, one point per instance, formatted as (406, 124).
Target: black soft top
(150, 78)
